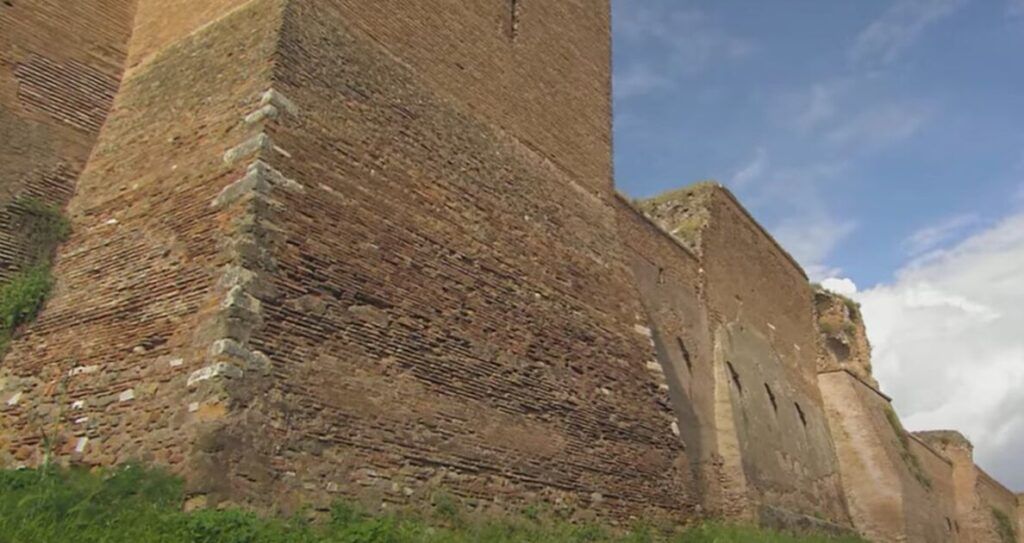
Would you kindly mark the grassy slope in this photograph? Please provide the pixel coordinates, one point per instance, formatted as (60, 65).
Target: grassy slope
(141, 506)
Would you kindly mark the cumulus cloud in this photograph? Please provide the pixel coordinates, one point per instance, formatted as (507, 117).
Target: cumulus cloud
(898, 28)
(949, 347)
(840, 285)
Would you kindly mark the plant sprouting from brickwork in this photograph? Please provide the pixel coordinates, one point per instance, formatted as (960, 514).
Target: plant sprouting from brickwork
(22, 296)
(43, 226)
(1004, 526)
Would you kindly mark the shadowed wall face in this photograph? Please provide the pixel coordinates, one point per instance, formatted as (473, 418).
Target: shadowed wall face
(60, 63)
(765, 344)
(668, 283)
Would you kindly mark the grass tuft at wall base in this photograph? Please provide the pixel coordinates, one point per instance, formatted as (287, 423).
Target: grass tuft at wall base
(132, 504)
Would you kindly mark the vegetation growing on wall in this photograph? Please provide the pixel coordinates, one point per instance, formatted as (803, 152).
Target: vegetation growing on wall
(1004, 526)
(909, 458)
(21, 297)
(136, 505)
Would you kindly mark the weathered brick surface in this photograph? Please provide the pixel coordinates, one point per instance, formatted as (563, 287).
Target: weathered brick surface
(450, 305)
(548, 86)
(670, 284)
(60, 63)
(135, 312)
(760, 309)
(334, 248)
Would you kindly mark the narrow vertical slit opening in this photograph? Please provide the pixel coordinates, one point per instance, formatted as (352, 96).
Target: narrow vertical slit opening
(686, 355)
(800, 413)
(771, 397)
(735, 377)
(514, 13)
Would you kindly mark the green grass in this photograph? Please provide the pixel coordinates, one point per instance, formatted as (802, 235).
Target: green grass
(136, 505)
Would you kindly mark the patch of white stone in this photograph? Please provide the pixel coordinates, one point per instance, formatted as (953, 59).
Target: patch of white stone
(83, 370)
(259, 178)
(230, 348)
(126, 396)
(219, 369)
(259, 143)
(80, 446)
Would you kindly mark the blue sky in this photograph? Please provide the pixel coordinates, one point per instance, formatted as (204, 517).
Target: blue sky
(861, 133)
(882, 143)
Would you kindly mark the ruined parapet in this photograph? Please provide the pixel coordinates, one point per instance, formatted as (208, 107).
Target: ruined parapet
(682, 213)
(843, 336)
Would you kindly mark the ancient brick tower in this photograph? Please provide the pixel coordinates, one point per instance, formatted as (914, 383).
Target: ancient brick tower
(337, 246)
(343, 248)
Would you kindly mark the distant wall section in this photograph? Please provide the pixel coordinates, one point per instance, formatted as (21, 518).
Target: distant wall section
(764, 339)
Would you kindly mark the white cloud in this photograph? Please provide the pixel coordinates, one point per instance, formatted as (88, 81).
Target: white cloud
(888, 36)
(637, 80)
(949, 347)
(930, 237)
(752, 171)
(879, 126)
(818, 108)
(840, 285)
(811, 239)
(686, 41)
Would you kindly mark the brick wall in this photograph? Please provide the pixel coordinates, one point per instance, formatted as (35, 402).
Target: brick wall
(60, 63)
(452, 309)
(106, 368)
(669, 283)
(993, 496)
(931, 504)
(549, 85)
(760, 308)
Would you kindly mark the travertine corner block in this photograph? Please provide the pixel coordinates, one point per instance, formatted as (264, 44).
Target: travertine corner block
(220, 369)
(279, 101)
(233, 349)
(259, 178)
